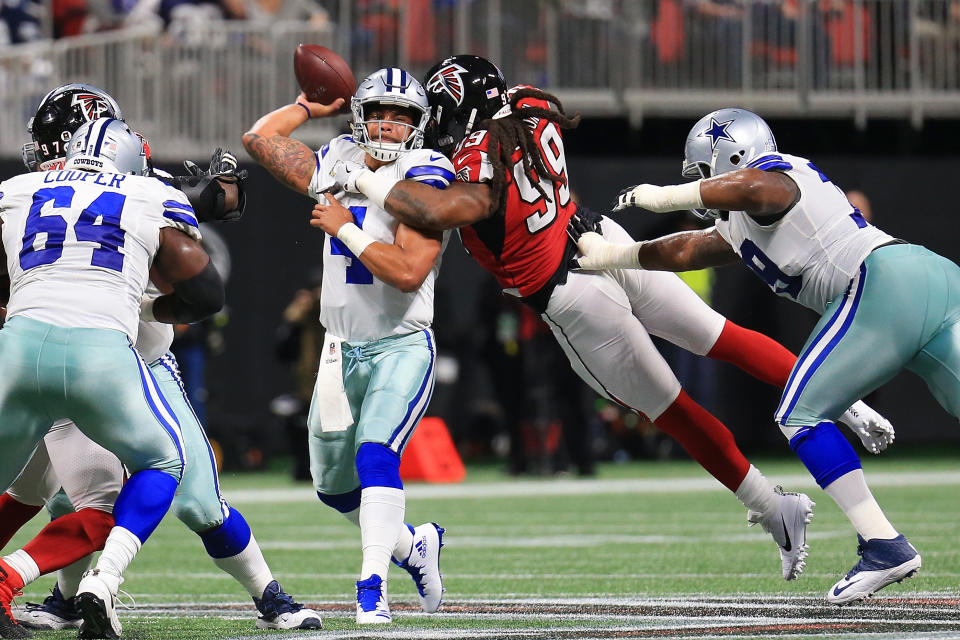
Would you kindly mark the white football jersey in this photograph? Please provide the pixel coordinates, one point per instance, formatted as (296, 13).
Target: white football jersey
(79, 245)
(153, 338)
(812, 252)
(354, 305)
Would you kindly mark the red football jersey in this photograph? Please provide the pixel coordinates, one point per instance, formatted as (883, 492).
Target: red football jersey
(524, 244)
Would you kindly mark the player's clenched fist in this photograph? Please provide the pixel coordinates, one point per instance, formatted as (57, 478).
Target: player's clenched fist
(660, 199)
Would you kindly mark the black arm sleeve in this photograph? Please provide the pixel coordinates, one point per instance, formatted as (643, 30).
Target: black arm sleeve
(193, 300)
(207, 197)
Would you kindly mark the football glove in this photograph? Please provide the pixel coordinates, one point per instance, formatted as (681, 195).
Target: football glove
(651, 197)
(223, 166)
(345, 174)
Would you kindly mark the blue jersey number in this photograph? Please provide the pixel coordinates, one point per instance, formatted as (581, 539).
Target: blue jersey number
(769, 272)
(99, 223)
(856, 215)
(357, 272)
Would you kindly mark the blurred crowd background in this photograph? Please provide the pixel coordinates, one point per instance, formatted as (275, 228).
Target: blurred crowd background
(870, 89)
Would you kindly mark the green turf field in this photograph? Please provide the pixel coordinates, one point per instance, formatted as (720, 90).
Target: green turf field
(644, 550)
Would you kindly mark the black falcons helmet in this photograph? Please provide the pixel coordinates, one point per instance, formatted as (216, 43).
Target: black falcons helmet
(61, 113)
(462, 91)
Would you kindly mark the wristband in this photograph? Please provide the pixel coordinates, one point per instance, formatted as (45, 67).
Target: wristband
(146, 308)
(375, 186)
(680, 196)
(622, 256)
(305, 108)
(355, 238)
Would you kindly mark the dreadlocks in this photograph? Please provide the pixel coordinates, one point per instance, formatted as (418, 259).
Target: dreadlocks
(510, 132)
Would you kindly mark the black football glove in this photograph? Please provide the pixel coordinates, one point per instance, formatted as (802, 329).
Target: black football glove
(581, 222)
(205, 188)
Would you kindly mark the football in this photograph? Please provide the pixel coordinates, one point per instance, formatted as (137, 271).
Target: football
(323, 75)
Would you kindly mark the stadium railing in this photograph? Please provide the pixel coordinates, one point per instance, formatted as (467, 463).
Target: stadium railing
(196, 86)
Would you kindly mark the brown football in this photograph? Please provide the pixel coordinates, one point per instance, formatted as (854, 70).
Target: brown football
(323, 75)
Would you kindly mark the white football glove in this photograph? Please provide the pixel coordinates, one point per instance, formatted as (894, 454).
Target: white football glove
(598, 254)
(345, 174)
(874, 431)
(675, 197)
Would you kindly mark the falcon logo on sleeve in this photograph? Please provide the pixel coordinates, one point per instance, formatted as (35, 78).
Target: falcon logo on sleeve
(449, 80)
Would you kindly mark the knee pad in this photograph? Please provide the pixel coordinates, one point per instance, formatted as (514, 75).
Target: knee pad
(342, 502)
(824, 452)
(229, 539)
(378, 466)
(197, 516)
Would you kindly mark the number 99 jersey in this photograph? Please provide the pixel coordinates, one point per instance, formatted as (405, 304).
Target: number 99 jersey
(522, 245)
(79, 245)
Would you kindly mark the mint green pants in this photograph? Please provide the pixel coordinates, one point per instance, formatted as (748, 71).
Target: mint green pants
(95, 378)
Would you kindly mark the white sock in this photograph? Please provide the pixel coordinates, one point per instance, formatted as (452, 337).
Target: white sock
(118, 551)
(249, 568)
(756, 492)
(853, 496)
(69, 577)
(381, 519)
(21, 562)
(404, 544)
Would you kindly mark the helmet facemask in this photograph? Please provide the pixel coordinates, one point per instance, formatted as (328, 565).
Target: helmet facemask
(395, 90)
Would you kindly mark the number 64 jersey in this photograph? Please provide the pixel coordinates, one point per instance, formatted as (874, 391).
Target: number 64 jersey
(79, 245)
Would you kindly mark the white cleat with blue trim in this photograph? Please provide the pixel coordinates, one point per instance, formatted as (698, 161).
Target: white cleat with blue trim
(372, 607)
(423, 564)
(882, 562)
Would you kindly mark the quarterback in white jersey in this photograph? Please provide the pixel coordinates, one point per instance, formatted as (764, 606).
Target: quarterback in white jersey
(378, 361)
(887, 305)
(355, 305)
(78, 245)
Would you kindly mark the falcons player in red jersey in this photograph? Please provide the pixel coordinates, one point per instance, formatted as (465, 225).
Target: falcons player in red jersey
(512, 204)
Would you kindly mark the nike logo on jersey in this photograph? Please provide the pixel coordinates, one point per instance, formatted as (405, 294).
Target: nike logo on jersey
(436, 156)
(787, 546)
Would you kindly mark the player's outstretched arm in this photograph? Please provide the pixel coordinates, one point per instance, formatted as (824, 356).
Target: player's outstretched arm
(425, 207)
(268, 142)
(405, 264)
(197, 289)
(758, 193)
(684, 251)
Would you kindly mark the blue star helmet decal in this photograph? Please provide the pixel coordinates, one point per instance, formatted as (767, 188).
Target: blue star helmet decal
(718, 132)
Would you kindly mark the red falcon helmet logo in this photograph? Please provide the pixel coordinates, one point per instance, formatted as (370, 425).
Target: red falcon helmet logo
(92, 105)
(449, 80)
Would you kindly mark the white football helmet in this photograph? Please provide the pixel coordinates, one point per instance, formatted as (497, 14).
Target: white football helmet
(722, 141)
(394, 87)
(106, 145)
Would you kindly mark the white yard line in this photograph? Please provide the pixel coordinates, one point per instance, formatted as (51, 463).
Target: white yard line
(587, 487)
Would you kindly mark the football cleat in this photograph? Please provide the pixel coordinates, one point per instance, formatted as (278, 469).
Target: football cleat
(372, 607)
(882, 562)
(96, 600)
(8, 624)
(423, 564)
(788, 526)
(54, 614)
(875, 432)
(279, 611)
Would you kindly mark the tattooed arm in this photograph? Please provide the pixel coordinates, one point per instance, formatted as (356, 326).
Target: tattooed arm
(686, 251)
(421, 206)
(269, 142)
